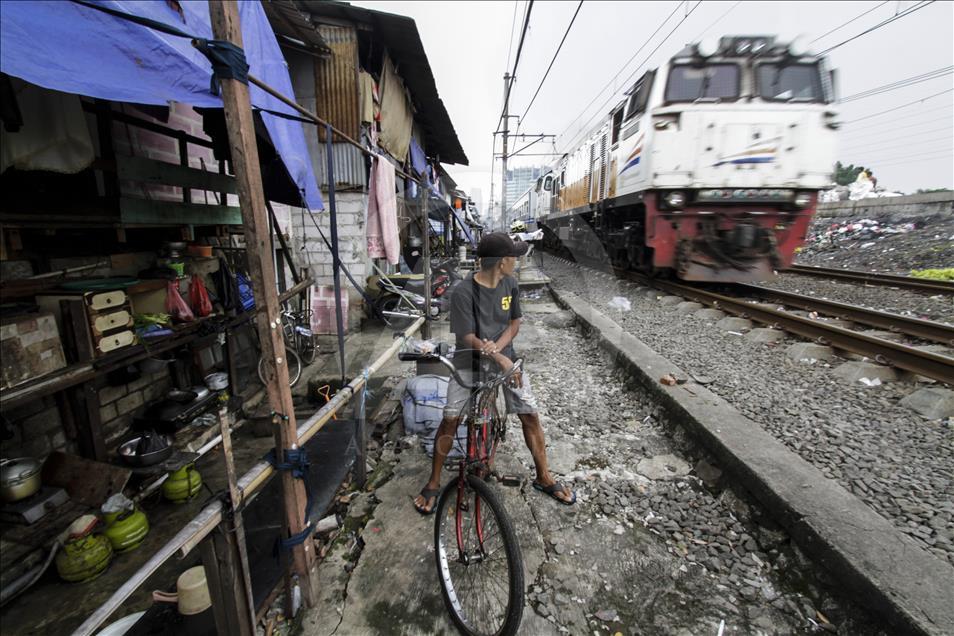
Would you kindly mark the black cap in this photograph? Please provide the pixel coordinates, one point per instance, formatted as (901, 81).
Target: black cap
(498, 245)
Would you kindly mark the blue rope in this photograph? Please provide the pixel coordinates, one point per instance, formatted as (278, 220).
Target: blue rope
(296, 461)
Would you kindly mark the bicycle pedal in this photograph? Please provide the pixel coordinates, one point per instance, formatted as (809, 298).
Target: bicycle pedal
(509, 480)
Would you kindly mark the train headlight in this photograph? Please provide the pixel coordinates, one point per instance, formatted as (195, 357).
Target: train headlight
(803, 200)
(675, 199)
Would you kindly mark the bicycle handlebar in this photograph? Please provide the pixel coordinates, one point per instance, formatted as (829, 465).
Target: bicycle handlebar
(412, 356)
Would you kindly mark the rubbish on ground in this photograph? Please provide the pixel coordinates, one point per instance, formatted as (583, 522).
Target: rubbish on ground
(668, 380)
(620, 303)
(607, 615)
(870, 382)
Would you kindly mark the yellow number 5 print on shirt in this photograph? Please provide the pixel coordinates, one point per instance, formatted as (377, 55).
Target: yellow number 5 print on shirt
(505, 303)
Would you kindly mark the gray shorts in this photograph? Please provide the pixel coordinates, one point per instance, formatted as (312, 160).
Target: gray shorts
(519, 401)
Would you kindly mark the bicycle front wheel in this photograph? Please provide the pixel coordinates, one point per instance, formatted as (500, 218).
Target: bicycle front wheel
(478, 560)
(294, 367)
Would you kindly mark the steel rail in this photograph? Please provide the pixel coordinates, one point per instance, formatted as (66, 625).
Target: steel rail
(896, 323)
(930, 365)
(873, 278)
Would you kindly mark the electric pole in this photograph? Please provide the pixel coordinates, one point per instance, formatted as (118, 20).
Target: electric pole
(503, 171)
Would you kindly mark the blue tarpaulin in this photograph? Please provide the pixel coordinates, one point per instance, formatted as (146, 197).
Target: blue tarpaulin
(71, 48)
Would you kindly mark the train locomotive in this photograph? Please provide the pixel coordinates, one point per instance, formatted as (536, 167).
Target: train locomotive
(709, 169)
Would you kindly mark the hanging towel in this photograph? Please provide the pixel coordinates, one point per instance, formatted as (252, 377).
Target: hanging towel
(383, 241)
(54, 135)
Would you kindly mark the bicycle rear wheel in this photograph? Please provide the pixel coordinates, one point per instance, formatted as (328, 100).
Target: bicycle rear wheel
(294, 367)
(478, 560)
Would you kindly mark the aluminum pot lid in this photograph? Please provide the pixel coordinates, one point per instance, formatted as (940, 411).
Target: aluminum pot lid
(19, 468)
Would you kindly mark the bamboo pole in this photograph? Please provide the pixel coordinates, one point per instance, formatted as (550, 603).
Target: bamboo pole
(241, 130)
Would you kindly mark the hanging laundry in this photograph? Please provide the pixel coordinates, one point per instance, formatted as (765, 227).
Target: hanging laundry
(54, 135)
(383, 240)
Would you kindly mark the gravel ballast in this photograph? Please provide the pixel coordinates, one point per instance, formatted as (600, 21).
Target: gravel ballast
(638, 477)
(900, 464)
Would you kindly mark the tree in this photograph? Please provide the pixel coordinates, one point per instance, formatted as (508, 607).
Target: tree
(846, 175)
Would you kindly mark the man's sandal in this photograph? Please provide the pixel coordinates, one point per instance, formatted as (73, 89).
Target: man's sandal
(553, 489)
(428, 494)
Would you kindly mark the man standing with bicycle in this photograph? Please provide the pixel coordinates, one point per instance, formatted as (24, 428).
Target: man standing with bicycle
(485, 317)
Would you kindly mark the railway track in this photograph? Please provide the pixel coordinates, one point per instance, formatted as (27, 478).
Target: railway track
(874, 278)
(920, 361)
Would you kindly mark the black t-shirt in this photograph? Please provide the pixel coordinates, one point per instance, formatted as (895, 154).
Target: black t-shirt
(484, 312)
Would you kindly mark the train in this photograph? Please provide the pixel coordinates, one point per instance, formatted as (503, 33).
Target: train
(709, 169)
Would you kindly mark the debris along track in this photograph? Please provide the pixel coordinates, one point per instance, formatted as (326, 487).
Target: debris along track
(920, 361)
(875, 278)
(657, 542)
(864, 437)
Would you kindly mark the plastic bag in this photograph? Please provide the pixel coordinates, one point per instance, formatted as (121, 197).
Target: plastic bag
(620, 303)
(175, 306)
(199, 297)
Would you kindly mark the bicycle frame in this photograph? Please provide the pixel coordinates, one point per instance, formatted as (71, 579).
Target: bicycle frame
(481, 448)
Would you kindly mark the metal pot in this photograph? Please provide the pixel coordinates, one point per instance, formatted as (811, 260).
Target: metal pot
(128, 453)
(19, 478)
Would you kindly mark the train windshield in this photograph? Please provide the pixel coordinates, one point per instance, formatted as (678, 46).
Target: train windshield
(709, 82)
(789, 83)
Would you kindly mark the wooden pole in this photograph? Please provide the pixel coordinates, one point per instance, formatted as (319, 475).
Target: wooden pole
(238, 119)
(426, 329)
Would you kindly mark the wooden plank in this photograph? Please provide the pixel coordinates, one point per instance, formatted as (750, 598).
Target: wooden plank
(238, 117)
(148, 212)
(162, 172)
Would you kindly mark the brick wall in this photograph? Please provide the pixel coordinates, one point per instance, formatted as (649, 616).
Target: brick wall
(352, 212)
(36, 429)
(129, 140)
(120, 404)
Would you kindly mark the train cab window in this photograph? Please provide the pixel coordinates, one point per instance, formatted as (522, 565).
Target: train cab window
(639, 97)
(708, 82)
(790, 83)
(548, 183)
(617, 124)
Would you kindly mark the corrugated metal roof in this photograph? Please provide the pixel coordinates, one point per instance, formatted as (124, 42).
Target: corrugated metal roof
(293, 28)
(350, 170)
(403, 42)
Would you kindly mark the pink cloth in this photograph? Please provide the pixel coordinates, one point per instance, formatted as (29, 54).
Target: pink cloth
(383, 239)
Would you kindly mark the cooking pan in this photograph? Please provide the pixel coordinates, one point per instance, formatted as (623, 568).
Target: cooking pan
(128, 451)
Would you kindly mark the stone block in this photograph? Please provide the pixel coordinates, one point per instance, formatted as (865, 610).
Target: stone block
(710, 314)
(108, 412)
(809, 352)
(671, 301)
(734, 323)
(111, 393)
(129, 403)
(765, 335)
(46, 421)
(856, 371)
(662, 467)
(688, 307)
(934, 403)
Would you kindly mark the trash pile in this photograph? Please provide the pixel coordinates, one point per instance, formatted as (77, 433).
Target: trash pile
(859, 230)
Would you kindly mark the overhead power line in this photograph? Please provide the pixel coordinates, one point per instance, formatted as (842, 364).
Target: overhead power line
(516, 62)
(891, 110)
(552, 60)
(623, 67)
(892, 127)
(906, 137)
(905, 143)
(910, 81)
(857, 17)
(513, 26)
(881, 24)
(717, 21)
(599, 111)
(909, 160)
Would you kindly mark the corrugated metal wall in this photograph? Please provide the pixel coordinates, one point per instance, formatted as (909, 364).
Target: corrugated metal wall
(350, 172)
(336, 80)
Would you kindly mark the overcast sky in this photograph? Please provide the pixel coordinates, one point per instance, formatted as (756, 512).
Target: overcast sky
(467, 45)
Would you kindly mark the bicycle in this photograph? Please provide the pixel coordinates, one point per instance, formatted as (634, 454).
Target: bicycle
(473, 536)
(291, 359)
(296, 327)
